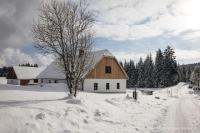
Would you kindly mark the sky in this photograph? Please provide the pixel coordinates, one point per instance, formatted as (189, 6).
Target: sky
(130, 29)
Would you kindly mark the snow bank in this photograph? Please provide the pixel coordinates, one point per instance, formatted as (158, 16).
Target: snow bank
(3, 80)
(45, 109)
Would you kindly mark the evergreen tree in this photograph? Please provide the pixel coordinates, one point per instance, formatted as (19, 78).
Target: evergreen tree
(132, 74)
(165, 72)
(35, 65)
(121, 63)
(141, 76)
(148, 72)
(195, 76)
(182, 74)
(158, 69)
(188, 74)
(170, 73)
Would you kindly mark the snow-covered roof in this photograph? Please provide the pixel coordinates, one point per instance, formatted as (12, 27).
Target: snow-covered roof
(23, 72)
(98, 55)
(53, 71)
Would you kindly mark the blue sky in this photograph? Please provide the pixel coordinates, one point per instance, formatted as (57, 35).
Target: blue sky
(130, 29)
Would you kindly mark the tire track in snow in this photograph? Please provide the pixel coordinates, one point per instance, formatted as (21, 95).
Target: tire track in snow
(181, 121)
(183, 115)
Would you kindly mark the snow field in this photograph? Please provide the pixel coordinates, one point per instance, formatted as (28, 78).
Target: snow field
(46, 109)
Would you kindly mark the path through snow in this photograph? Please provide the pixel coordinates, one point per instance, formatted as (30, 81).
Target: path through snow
(183, 114)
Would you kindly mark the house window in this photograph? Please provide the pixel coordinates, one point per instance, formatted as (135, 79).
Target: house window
(49, 81)
(118, 86)
(35, 80)
(107, 86)
(95, 86)
(56, 81)
(41, 80)
(108, 69)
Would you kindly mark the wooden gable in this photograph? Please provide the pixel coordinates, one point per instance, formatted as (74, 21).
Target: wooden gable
(12, 74)
(98, 72)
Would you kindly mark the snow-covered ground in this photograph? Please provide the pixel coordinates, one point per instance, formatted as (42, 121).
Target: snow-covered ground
(36, 109)
(3, 80)
(183, 115)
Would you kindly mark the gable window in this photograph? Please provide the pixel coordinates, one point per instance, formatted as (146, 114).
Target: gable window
(107, 69)
(107, 86)
(95, 86)
(118, 85)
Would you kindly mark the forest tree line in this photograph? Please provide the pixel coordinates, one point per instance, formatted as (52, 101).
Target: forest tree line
(163, 71)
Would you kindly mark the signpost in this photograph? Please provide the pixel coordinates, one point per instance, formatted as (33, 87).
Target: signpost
(135, 94)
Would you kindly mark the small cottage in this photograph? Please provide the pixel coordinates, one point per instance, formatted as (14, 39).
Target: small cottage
(22, 75)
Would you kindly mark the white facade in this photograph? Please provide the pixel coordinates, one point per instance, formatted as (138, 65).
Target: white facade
(46, 81)
(13, 81)
(3, 80)
(101, 85)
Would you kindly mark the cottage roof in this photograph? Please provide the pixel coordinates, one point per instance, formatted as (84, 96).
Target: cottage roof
(23, 72)
(52, 72)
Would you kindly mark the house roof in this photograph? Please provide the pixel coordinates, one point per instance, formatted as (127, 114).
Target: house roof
(23, 72)
(53, 72)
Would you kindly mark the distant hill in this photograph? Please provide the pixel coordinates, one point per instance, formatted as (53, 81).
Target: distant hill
(192, 65)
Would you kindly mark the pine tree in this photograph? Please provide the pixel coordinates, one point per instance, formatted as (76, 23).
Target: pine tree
(158, 69)
(188, 74)
(141, 78)
(148, 72)
(132, 75)
(35, 65)
(121, 63)
(170, 73)
(195, 76)
(182, 73)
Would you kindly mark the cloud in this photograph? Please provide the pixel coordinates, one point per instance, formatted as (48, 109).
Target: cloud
(122, 56)
(133, 27)
(137, 19)
(12, 57)
(129, 19)
(16, 17)
(189, 56)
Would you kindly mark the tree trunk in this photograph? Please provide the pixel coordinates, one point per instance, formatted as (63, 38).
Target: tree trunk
(75, 89)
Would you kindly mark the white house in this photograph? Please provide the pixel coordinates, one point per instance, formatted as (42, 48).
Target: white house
(22, 75)
(105, 74)
(52, 74)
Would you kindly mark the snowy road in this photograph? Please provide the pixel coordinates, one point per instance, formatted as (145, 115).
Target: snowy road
(183, 116)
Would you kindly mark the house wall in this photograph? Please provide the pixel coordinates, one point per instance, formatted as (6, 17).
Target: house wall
(98, 72)
(89, 85)
(3, 80)
(13, 81)
(31, 81)
(24, 82)
(45, 81)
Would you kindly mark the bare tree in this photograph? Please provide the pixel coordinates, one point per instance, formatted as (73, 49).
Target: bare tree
(64, 29)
